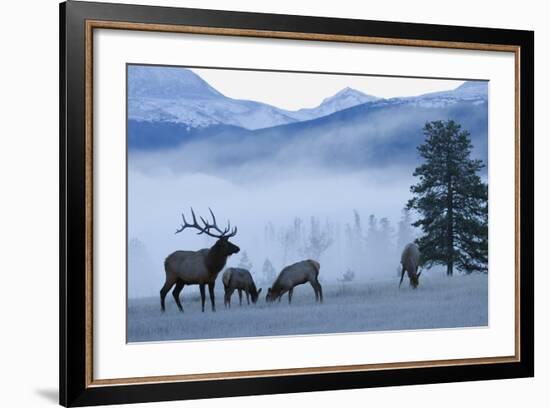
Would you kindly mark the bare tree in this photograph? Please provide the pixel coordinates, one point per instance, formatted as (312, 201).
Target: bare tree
(318, 239)
(346, 278)
(355, 242)
(140, 266)
(289, 239)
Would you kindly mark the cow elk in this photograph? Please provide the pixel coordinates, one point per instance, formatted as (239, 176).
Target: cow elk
(241, 280)
(294, 275)
(410, 261)
(198, 267)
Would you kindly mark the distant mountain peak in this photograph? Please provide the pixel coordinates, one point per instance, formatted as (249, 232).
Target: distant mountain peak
(467, 90)
(165, 82)
(348, 91)
(473, 88)
(345, 98)
(350, 94)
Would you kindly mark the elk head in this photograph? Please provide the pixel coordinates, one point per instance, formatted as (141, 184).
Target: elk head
(222, 246)
(414, 279)
(254, 295)
(271, 295)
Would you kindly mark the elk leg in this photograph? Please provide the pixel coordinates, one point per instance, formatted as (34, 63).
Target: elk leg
(247, 297)
(203, 295)
(211, 293)
(315, 289)
(240, 296)
(226, 298)
(320, 290)
(176, 294)
(402, 275)
(229, 295)
(290, 291)
(165, 289)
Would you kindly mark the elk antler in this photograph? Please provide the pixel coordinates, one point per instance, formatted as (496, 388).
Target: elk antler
(207, 226)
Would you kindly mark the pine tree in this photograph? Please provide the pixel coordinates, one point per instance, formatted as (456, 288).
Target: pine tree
(451, 200)
(372, 232)
(268, 271)
(245, 262)
(386, 236)
(405, 232)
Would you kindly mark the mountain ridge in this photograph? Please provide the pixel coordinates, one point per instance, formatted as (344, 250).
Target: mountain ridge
(157, 93)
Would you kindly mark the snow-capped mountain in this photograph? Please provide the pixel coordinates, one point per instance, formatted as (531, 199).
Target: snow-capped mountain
(469, 90)
(169, 107)
(346, 98)
(158, 82)
(173, 94)
(475, 92)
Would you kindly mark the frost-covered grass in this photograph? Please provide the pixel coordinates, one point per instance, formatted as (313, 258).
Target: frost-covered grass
(439, 302)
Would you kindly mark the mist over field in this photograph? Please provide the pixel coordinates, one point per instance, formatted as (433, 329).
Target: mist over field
(339, 173)
(156, 203)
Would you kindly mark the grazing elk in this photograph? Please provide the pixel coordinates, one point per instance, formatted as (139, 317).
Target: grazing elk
(198, 267)
(294, 275)
(410, 261)
(240, 279)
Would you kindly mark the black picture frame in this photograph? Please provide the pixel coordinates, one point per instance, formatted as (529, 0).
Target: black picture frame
(75, 387)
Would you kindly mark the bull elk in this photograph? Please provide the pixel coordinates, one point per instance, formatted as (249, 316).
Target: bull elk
(410, 261)
(294, 275)
(241, 280)
(198, 267)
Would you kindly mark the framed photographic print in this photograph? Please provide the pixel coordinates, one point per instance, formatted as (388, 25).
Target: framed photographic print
(256, 203)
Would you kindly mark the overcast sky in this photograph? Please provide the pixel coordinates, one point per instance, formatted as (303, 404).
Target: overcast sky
(293, 91)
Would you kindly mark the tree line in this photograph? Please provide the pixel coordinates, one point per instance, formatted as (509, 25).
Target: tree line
(353, 249)
(447, 216)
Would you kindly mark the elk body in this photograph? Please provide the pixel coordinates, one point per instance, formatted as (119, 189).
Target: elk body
(241, 280)
(198, 267)
(294, 275)
(410, 261)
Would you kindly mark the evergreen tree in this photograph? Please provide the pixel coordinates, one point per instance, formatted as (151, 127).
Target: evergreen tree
(451, 200)
(405, 232)
(245, 262)
(372, 232)
(268, 271)
(355, 242)
(386, 236)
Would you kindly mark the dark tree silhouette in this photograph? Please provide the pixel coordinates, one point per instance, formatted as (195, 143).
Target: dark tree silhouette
(451, 200)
